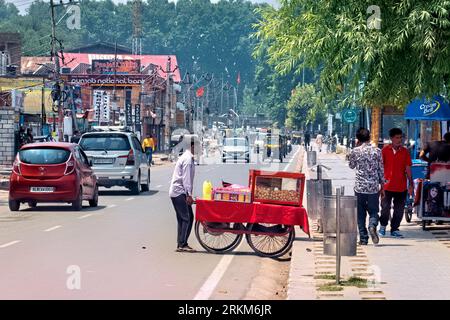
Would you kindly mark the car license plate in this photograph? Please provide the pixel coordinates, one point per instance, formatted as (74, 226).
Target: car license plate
(103, 160)
(42, 189)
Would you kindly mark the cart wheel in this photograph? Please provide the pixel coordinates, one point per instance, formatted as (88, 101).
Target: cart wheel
(218, 242)
(408, 215)
(424, 225)
(278, 243)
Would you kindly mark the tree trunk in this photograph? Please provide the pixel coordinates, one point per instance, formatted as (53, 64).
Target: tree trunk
(375, 125)
(436, 131)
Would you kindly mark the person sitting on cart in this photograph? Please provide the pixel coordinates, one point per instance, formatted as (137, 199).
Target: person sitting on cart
(436, 151)
(180, 192)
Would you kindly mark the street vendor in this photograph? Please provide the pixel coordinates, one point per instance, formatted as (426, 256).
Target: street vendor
(436, 151)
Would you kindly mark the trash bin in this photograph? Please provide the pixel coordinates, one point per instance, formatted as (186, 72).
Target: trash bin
(348, 225)
(311, 158)
(315, 191)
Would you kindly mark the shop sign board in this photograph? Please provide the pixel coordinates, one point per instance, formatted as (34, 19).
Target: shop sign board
(137, 117)
(128, 115)
(111, 66)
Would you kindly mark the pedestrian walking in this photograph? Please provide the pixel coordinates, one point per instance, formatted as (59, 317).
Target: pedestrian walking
(149, 147)
(368, 162)
(180, 193)
(397, 172)
(319, 141)
(307, 140)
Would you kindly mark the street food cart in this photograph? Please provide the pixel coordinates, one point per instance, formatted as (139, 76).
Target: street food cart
(266, 212)
(432, 195)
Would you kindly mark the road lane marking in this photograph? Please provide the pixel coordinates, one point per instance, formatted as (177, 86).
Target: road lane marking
(159, 186)
(52, 228)
(112, 206)
(9, 243)
(290, 161)
(85, 216)
(132, 198)
(213, 280)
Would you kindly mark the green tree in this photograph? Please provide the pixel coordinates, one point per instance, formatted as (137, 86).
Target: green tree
(407, 57)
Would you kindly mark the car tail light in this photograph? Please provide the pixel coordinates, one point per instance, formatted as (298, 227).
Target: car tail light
(16, 166)
(130, 158)
(70, 166)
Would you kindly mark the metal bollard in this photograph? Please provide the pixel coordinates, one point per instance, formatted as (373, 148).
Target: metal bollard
(348, 225)
(311, 158)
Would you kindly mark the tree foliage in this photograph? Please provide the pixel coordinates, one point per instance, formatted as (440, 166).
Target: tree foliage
(407, 57)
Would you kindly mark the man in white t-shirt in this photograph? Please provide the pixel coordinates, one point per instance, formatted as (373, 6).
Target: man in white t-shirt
(180, 193)
(319, 141)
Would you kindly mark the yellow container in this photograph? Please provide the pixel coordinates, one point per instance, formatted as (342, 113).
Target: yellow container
(207, 190)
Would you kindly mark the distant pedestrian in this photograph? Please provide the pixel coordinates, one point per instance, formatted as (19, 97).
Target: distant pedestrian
(180, 193)
(319, 141)
(397, 171)
(29, 136)
(76, 137)
(22, 135)
(149, 147)
(307, 137)
(368, 163)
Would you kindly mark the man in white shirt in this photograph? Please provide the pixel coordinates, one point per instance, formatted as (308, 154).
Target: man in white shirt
(180, 193)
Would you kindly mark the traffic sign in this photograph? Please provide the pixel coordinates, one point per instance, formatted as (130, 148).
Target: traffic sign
(349, 115)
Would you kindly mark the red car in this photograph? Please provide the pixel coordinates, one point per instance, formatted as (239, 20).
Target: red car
(52, 172)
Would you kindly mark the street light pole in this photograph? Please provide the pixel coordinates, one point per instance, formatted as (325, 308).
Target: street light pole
(58, 69)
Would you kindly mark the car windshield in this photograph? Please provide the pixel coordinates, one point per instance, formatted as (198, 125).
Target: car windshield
(235, 142)
(44, 155)
(98, 142)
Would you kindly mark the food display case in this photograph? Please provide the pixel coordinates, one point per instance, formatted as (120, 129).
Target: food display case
(232, 194)
(278, 187)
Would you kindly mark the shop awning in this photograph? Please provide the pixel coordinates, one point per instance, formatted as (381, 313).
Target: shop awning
(436, 109)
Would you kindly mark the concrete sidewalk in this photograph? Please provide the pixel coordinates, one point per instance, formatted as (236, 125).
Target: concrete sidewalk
(416, 267)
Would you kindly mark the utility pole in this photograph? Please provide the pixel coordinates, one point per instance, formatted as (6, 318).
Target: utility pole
(43, 115)
(221, 97)
(168, 110)
(55, 56)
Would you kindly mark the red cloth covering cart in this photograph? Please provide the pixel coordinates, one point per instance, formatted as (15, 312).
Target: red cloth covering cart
(269, 228)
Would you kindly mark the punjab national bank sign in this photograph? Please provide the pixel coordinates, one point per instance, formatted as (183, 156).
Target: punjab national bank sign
(107, 80)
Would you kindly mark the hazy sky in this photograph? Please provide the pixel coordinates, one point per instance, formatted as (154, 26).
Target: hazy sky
(22, 5)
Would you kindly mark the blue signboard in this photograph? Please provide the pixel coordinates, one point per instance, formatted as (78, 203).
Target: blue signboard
(437, 109)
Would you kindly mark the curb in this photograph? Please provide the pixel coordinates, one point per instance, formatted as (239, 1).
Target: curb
(301, 283)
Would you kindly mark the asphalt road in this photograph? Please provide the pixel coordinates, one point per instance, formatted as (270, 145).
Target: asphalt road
(124, 248)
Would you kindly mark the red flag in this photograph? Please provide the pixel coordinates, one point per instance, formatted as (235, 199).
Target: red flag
(200, 92)
(238, 80)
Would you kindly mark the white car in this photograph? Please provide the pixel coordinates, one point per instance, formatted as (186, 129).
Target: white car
(236, 149)
(118, 159)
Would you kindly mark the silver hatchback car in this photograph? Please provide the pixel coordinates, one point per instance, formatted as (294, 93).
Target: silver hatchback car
(117, 159)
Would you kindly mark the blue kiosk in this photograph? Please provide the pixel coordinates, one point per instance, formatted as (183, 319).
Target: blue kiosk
(436, 109)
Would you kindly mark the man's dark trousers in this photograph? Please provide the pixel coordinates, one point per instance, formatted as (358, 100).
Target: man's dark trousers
(399, 207)
(185, 217)
(367, 203)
